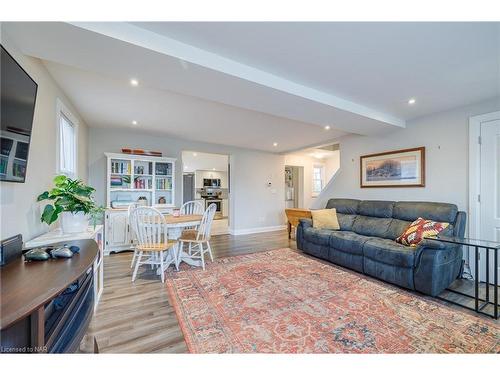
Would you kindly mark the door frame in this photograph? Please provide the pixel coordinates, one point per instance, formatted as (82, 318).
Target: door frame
(230, 182)
(474, 222)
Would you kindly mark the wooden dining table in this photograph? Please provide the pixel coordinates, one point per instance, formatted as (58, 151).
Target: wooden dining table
(174, 227)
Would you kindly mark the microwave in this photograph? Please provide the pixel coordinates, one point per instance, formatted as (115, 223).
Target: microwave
(211, 182)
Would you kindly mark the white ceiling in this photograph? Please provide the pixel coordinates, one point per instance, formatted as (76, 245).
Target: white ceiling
(112, 103)
(251, 84)
(316, 153)
(380, 65)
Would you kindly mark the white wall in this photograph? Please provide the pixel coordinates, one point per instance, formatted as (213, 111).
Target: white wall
(204, 161)
(331, 165)
(20, 212)
(255, 205)
(445, 137)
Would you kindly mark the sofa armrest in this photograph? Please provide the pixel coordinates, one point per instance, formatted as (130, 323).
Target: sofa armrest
(430, 244)
(306, 223)
(303, 224)
(437, 265)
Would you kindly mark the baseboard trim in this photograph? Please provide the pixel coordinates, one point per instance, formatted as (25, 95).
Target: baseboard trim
(238, 232)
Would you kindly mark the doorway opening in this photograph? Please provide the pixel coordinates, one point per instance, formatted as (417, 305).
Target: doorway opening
(308, 172)
(294, 185)
(206, 179)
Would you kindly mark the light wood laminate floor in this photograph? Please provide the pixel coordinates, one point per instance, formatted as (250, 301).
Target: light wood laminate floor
(138, 318)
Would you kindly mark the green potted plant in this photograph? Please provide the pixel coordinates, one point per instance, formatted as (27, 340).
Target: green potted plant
(73, 201)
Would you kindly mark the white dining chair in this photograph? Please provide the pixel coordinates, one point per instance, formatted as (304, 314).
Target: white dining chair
(192, 208)
(133, 239)
(152, 241)
(196, 239)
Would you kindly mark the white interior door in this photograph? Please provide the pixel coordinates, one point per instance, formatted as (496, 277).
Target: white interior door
(490, 189)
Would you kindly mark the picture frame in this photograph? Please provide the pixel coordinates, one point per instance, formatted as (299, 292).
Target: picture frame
(398, 168)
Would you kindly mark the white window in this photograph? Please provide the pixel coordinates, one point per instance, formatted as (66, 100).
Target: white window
(317, 179)
(67, 137)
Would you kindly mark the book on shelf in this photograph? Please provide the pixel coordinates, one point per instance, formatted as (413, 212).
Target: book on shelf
(140, 183)
(144, 170)
(164, 169)
(120, 167)
(164, 184)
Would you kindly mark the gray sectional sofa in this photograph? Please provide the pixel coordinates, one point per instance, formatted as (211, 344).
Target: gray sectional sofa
(366, 242)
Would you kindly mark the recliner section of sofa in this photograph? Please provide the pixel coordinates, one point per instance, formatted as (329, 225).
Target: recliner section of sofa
(366, 242)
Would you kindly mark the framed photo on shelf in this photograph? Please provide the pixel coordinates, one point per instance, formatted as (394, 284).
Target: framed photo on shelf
(399, 168)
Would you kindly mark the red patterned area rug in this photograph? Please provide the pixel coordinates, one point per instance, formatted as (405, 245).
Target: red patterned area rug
(281, 301)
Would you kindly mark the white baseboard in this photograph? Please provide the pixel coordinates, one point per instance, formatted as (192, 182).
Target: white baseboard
(237, 232)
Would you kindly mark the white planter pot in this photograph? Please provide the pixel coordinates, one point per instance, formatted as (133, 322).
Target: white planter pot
(74, 223)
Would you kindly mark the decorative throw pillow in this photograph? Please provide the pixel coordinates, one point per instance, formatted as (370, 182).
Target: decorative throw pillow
(325, 219)
(420, 229)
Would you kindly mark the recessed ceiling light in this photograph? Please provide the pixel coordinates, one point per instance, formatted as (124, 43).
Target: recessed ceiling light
(134, 82)
(213, 169)
(195, 154)
(134, 122)
(412, 101)
(275, 144)
(327, 127)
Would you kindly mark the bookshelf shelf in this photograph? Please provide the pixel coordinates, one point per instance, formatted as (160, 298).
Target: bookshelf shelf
(132, 176)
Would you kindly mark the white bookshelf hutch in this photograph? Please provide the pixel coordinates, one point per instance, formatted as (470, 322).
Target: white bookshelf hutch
(128, 178)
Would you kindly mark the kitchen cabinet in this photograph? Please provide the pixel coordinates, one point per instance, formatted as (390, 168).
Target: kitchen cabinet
(201, 174)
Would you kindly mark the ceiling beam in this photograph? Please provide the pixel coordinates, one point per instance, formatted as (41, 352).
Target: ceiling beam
(147, 39)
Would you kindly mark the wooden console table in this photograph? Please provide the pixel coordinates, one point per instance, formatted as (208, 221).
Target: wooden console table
(92, 233)
(293, 215)
(28, 289)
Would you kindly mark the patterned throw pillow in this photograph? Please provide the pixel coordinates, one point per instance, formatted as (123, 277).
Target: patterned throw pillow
(420, 229)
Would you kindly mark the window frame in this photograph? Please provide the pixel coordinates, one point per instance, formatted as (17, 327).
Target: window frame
(322, 179)
(63, 111)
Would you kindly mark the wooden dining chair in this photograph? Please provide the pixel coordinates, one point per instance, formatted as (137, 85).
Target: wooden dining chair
(152, 241)
(197, 239)
(133, 239)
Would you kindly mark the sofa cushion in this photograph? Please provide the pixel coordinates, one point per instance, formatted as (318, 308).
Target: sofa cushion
(371, 226)
(376, 208)
(346, 221)
(389, 252)
(344, 206)
(325, 219)
(396, 228)
(348, 242)
(411, 211)
(318, 236)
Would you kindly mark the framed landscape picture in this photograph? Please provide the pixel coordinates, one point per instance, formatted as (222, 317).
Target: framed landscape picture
(400, 168)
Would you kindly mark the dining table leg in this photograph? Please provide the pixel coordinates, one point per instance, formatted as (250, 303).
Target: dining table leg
(177, 254)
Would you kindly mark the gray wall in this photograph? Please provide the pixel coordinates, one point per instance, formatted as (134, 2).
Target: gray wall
(445, 137)
(255, 205)
(20, 212)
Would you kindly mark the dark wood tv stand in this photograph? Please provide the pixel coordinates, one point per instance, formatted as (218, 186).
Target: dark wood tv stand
(28, 292)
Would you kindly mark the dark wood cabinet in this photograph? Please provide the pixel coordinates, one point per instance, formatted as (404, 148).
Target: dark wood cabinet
(47, 306)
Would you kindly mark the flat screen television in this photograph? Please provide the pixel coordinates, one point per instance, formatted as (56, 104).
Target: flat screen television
(17, 106)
